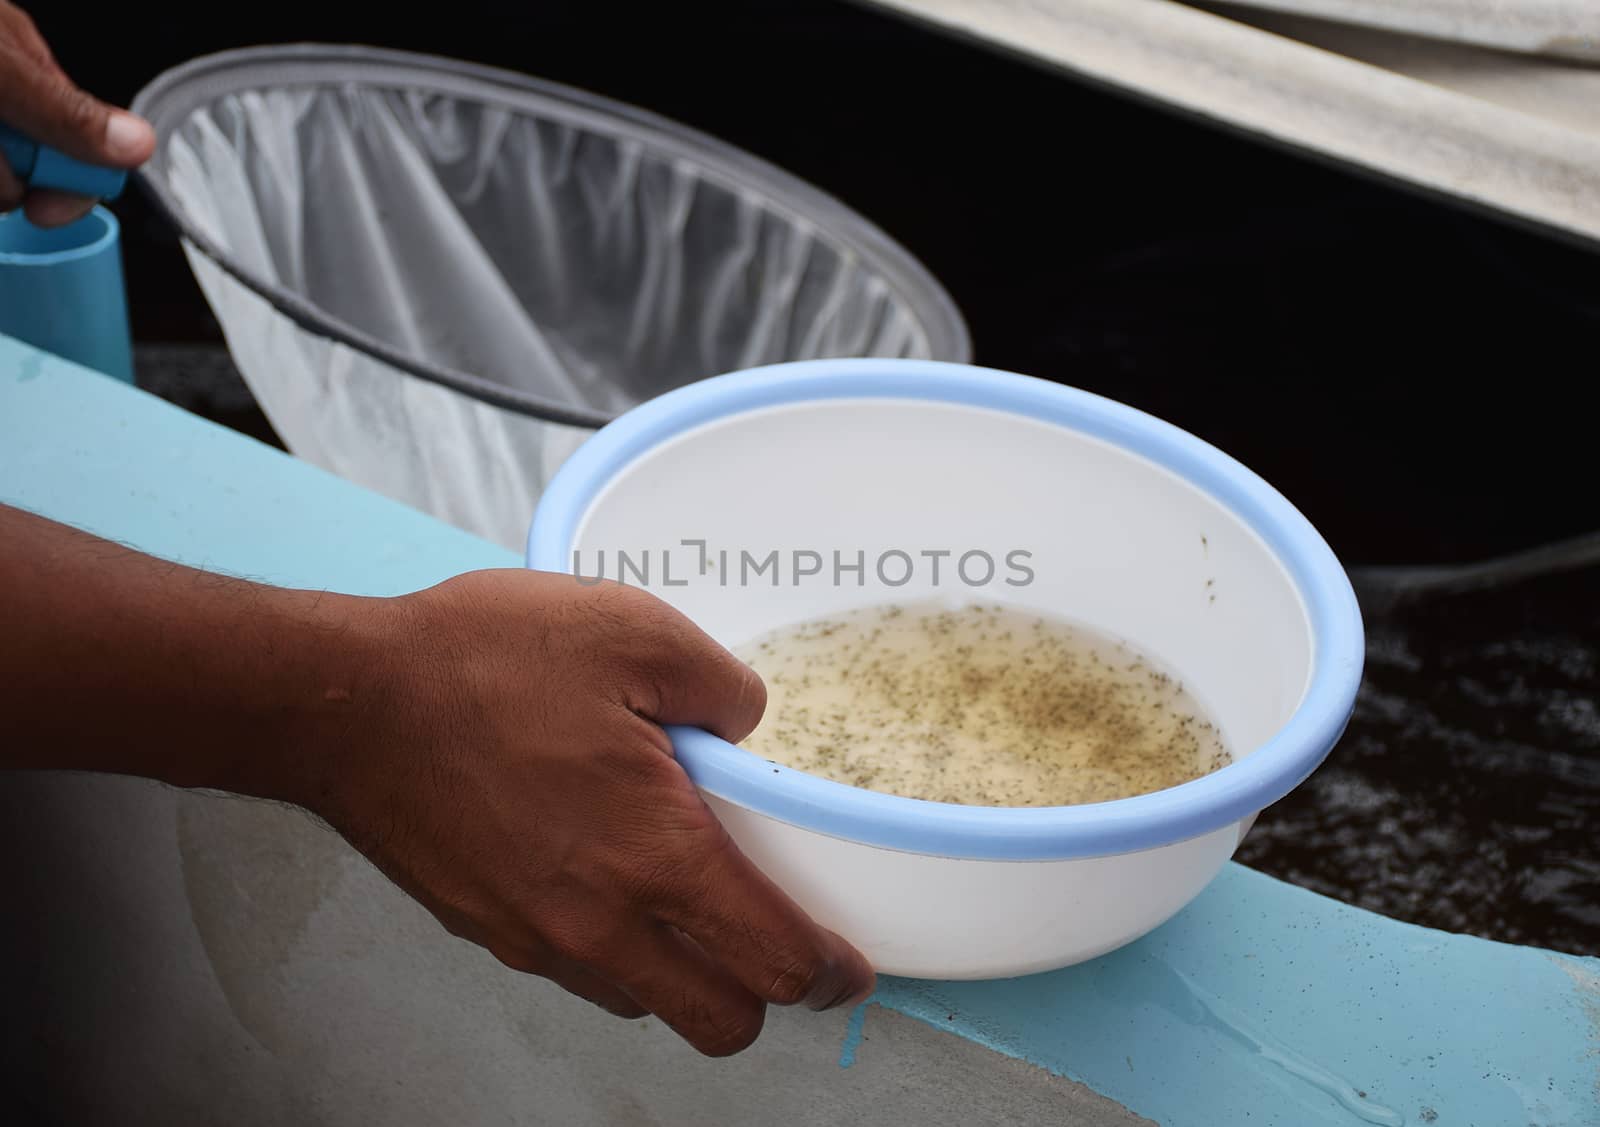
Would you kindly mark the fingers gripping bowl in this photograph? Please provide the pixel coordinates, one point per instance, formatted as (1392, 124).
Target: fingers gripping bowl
(1130, 527)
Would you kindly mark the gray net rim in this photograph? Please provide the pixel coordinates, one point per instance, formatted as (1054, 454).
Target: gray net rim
(169, 101)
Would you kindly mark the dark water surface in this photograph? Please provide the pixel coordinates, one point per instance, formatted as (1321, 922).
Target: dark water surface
(1466, 793)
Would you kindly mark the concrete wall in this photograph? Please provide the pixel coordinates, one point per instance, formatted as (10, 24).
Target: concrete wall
(184, 958)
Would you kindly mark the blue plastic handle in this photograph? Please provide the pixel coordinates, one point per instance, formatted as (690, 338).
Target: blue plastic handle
(40, 166)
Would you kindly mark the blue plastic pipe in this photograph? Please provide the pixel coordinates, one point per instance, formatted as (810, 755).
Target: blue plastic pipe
(61, 290)
(40, 166)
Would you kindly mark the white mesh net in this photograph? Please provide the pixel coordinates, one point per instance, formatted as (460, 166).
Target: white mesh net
(573, 255)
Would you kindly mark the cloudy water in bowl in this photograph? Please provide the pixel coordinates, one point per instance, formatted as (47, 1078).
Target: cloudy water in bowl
(982, 705)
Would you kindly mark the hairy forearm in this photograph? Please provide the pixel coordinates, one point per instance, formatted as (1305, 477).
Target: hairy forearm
(111, 660)
(492, 743)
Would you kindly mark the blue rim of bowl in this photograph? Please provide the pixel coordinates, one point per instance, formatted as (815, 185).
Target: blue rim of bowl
(66, 254)
(995, 833)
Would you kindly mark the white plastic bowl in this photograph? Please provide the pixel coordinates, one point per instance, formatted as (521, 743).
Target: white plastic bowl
(1134, 527)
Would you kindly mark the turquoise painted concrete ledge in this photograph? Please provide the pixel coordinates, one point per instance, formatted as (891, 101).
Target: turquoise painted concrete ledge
(1260, 1004)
